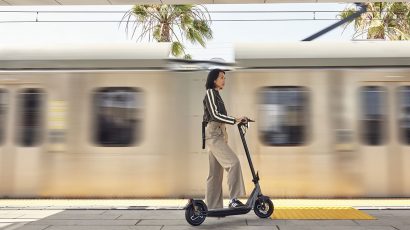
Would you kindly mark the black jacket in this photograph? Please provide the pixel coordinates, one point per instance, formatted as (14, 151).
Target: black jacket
(214, 110)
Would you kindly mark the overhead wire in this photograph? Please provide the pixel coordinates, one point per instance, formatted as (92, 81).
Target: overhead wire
(37, 13)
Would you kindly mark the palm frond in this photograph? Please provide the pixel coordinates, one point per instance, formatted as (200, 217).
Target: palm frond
(177, 49)
(376, 32)
(345, 14)
(396, 34)
(188, 56)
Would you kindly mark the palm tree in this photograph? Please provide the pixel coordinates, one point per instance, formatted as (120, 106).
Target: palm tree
(170, 23)
(383, 20)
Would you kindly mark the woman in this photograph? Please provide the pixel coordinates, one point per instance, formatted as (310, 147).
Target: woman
(221, 155)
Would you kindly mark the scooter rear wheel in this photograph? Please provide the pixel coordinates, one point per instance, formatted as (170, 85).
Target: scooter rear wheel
(263, 208)
(194, 217)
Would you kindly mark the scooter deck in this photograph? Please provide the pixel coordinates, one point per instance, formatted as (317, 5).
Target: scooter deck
(227, 211)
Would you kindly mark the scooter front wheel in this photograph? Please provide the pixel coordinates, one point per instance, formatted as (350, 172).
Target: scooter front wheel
(194, 214)
(263, 208)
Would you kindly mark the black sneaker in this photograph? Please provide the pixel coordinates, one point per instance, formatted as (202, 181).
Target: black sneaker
(236, 204)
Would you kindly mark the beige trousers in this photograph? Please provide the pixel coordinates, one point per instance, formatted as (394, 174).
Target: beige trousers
(221, 157)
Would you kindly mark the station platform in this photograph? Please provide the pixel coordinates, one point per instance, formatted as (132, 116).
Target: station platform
(168, 214)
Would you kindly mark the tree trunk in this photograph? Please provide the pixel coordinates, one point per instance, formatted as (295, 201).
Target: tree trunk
(165, 33)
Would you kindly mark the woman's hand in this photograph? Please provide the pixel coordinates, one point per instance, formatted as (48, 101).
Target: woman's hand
(239, 119)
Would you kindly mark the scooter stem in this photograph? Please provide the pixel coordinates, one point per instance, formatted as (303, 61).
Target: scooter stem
(245, 146)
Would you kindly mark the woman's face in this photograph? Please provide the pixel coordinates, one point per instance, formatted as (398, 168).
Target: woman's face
(220, 81)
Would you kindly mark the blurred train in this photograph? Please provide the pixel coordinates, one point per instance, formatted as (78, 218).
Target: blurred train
(123, 121)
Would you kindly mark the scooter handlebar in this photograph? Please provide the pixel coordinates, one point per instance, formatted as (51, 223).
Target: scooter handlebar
(247, 120)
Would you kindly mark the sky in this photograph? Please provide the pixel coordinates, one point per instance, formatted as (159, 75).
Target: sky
(225, 33)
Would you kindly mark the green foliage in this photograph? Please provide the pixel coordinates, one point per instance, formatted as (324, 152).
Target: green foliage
(383, 20)
(177, 49)
(170, 23)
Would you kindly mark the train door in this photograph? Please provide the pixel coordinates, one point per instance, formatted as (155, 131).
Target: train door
(23, 107)
(400, 162)
(384, 135)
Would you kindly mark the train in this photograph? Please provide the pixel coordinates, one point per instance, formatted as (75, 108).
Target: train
(123, 120)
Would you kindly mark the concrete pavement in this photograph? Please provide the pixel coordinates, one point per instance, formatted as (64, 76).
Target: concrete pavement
(107, 219)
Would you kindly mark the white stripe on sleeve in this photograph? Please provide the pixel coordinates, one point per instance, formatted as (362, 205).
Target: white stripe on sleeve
(214, 110)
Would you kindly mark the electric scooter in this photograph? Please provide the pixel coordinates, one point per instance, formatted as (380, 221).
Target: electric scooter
(196, 210)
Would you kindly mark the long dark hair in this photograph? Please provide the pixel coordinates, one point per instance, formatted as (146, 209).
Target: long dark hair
(212, 76)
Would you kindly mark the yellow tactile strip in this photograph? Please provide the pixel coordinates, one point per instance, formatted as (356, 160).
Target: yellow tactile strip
(319, 213)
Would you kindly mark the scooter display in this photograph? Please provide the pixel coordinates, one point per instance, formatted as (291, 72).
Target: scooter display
(196, 210)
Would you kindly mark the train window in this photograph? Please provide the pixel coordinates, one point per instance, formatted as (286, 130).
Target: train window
(283, 115)
(30, 114)
(117, 116)
(3, 109)
(404, 114)
(373, 117)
